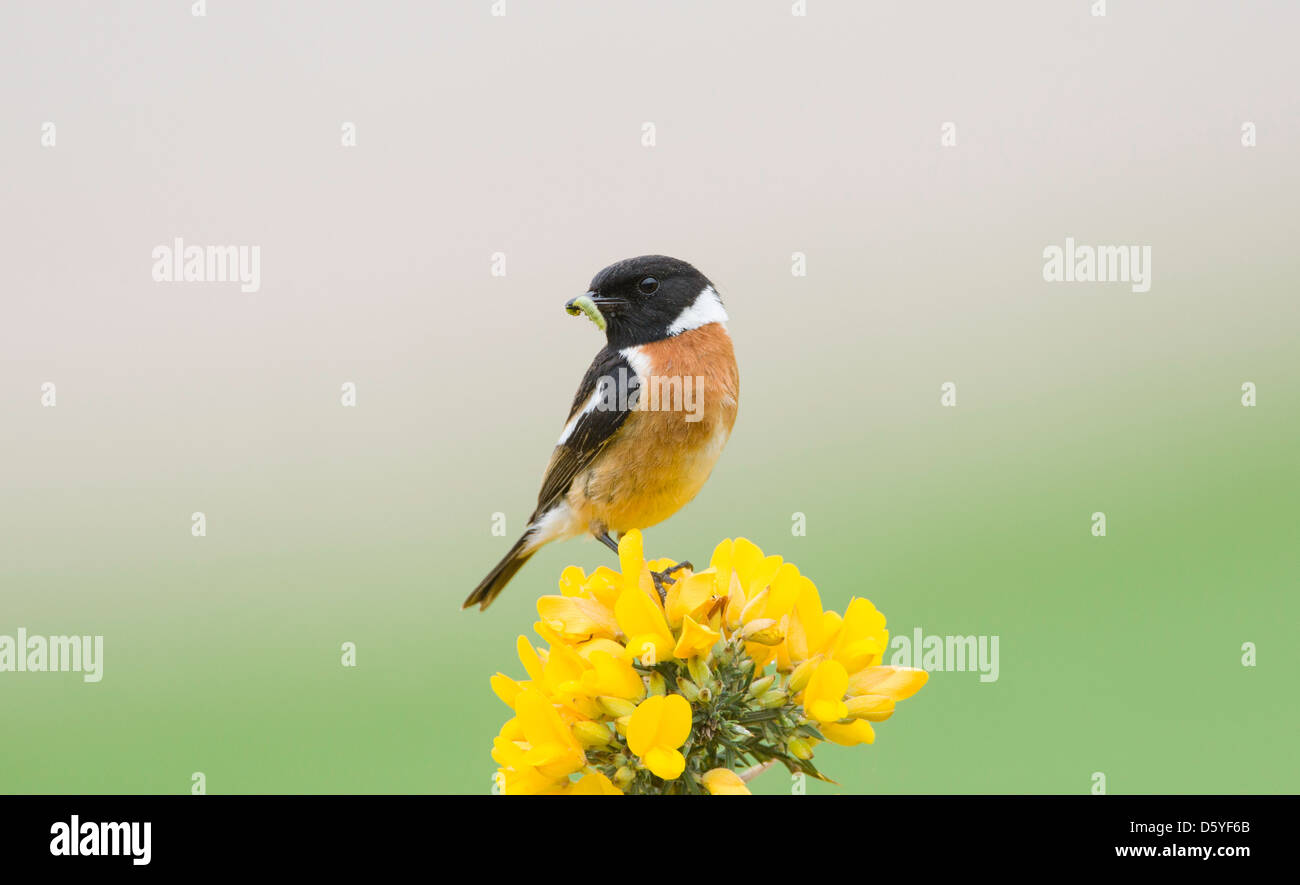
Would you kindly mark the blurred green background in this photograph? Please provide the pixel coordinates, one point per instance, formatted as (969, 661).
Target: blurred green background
(326, 525)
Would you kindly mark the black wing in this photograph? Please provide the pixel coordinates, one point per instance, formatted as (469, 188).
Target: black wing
(614, 384)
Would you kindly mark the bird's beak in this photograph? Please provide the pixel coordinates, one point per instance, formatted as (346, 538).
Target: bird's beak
(590, 304)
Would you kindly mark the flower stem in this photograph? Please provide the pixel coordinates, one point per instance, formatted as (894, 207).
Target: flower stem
(755, 770)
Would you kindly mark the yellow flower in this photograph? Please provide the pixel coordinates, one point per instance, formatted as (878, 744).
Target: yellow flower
(616, 708)
(527, 781)
(609, 646)
(631, 561)
(592, 734)
(552, 749)
(724, 782)
(862, 636)
(612, 676)
(899, 683)
(644, 625)
(823, 699)
(806, 632)
(695, 640)
(688, 596)
(744, 644)
(802, 673)
(593, 783)
(763, 631)
(562, 680)
(572, 580)
(659, 726)
(872, 707)
(859, 731)
(577, 618)
(753, 570)
(506, 689)
(528, 657)
(603, 585)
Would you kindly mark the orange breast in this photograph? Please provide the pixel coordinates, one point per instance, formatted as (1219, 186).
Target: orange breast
(665, 451)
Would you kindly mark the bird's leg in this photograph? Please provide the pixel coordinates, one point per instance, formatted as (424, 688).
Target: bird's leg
(665, 577)
(660, 578)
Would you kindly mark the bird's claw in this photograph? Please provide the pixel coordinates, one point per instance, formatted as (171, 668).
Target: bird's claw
(665, 577)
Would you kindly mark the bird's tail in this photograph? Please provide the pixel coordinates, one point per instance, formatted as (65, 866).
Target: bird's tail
(491, 586)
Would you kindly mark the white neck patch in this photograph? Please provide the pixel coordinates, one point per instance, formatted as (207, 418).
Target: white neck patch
(707, 308)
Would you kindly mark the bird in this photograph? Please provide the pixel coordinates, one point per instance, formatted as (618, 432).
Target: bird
(650, 418)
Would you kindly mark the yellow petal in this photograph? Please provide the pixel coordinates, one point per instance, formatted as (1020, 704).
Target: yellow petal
(592, 734)
(763, 631)
(831, 624)
(644, 647)
(612, 676)
(861, 637)
(724, 782)
(512, 729)
(528, 657)
(571, 581)
(508, 753)
(666, 763)
(872, 707)
(530, 781)
(676, 725)
(762, 575)
(695, 639)
(606, 645)
(735, 604)
(899, 683)
(643, 727)
(761, 655)
(783, 592)
(687, 595)
(747, 559)
(552, 745)
(616, 707)
(754, 607)
(659, 721)
(604, 585)
(823, 699)
(799, 678)
(631, 559)
(807, 636)
(505, 688)
(593, 783)
(859, 731)
(720, 562)
(563, 665)
(577, 618)
(642, 620)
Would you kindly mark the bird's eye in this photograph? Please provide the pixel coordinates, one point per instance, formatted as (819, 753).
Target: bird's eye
(648, 286)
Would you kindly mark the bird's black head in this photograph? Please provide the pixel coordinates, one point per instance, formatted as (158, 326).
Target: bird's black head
(651, 298)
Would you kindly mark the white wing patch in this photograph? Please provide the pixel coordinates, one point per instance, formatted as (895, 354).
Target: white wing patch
(707, 308)
(585, 410)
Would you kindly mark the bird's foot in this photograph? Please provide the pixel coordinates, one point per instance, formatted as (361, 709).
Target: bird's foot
(665, 577)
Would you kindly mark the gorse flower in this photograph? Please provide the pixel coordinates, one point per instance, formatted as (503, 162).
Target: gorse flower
(731, 669)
